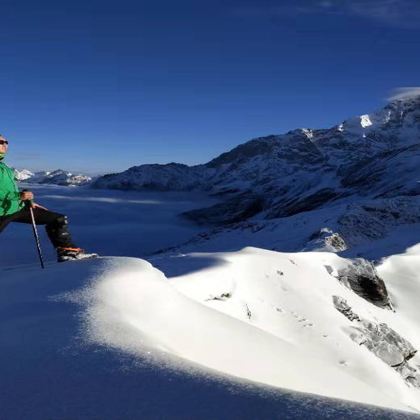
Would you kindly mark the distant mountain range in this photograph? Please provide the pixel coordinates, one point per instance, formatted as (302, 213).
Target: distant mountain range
(57, 177)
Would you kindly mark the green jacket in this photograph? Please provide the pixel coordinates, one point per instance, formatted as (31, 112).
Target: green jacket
(9, 193)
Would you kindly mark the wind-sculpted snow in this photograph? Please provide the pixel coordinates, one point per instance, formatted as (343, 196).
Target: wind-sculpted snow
(263, 316)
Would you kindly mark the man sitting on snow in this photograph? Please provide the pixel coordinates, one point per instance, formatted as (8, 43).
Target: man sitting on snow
(13, 209)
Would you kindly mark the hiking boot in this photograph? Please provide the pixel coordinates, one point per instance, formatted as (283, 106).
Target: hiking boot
(71, 254)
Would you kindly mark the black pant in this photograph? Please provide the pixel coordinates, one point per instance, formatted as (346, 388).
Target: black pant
(56, 224)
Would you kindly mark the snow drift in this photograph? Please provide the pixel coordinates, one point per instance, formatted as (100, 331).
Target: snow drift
(260, 315)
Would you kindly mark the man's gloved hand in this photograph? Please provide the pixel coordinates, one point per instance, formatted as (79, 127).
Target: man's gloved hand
(28, 196)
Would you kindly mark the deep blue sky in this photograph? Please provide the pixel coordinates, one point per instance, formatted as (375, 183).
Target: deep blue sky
(100, 86)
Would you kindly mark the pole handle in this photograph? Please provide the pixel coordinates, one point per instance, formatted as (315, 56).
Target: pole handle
(28, 203)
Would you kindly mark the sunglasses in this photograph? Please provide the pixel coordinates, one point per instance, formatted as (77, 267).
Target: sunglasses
(3, 142)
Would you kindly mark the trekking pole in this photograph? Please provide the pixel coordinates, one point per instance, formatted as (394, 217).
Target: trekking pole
(28, 204)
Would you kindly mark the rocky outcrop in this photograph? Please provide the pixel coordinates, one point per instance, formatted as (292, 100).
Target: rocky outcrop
(342, 306)
(382, 341)
(325, 240)
(362, 278)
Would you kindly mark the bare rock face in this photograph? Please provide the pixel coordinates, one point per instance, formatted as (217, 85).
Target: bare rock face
(409, 373)
(386, 343)
(382, 341)
(228, 212)
(362, 278)
(326, 240)
(342, 306)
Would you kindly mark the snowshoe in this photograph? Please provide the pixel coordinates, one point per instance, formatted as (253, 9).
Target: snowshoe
(72, 254)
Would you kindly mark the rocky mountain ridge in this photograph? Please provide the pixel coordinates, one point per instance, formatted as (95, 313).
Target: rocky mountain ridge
(364, 172)
(313, 165)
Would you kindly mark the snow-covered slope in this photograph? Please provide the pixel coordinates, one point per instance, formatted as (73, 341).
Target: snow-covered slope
(367, 227)
(303, 300)
(86, 339)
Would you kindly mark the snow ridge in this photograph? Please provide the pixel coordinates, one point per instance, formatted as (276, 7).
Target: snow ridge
(292, 305)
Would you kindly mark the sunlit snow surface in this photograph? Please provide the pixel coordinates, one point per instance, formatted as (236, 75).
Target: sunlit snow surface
(211, 335)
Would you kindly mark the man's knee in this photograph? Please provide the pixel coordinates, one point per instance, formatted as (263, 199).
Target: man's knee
(58, 222)
(61, 220)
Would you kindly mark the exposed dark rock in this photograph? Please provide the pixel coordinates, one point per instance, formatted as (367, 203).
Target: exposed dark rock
(409, 373)
(307, 203)
(362, 278)
(386, 343)
(248, 312)
(383, 341)
(326, 239)
(222, 297)
(228, 212)
(342, 306)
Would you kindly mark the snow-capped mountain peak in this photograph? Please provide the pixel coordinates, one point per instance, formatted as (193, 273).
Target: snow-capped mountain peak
(371, 161)
(56, 177)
